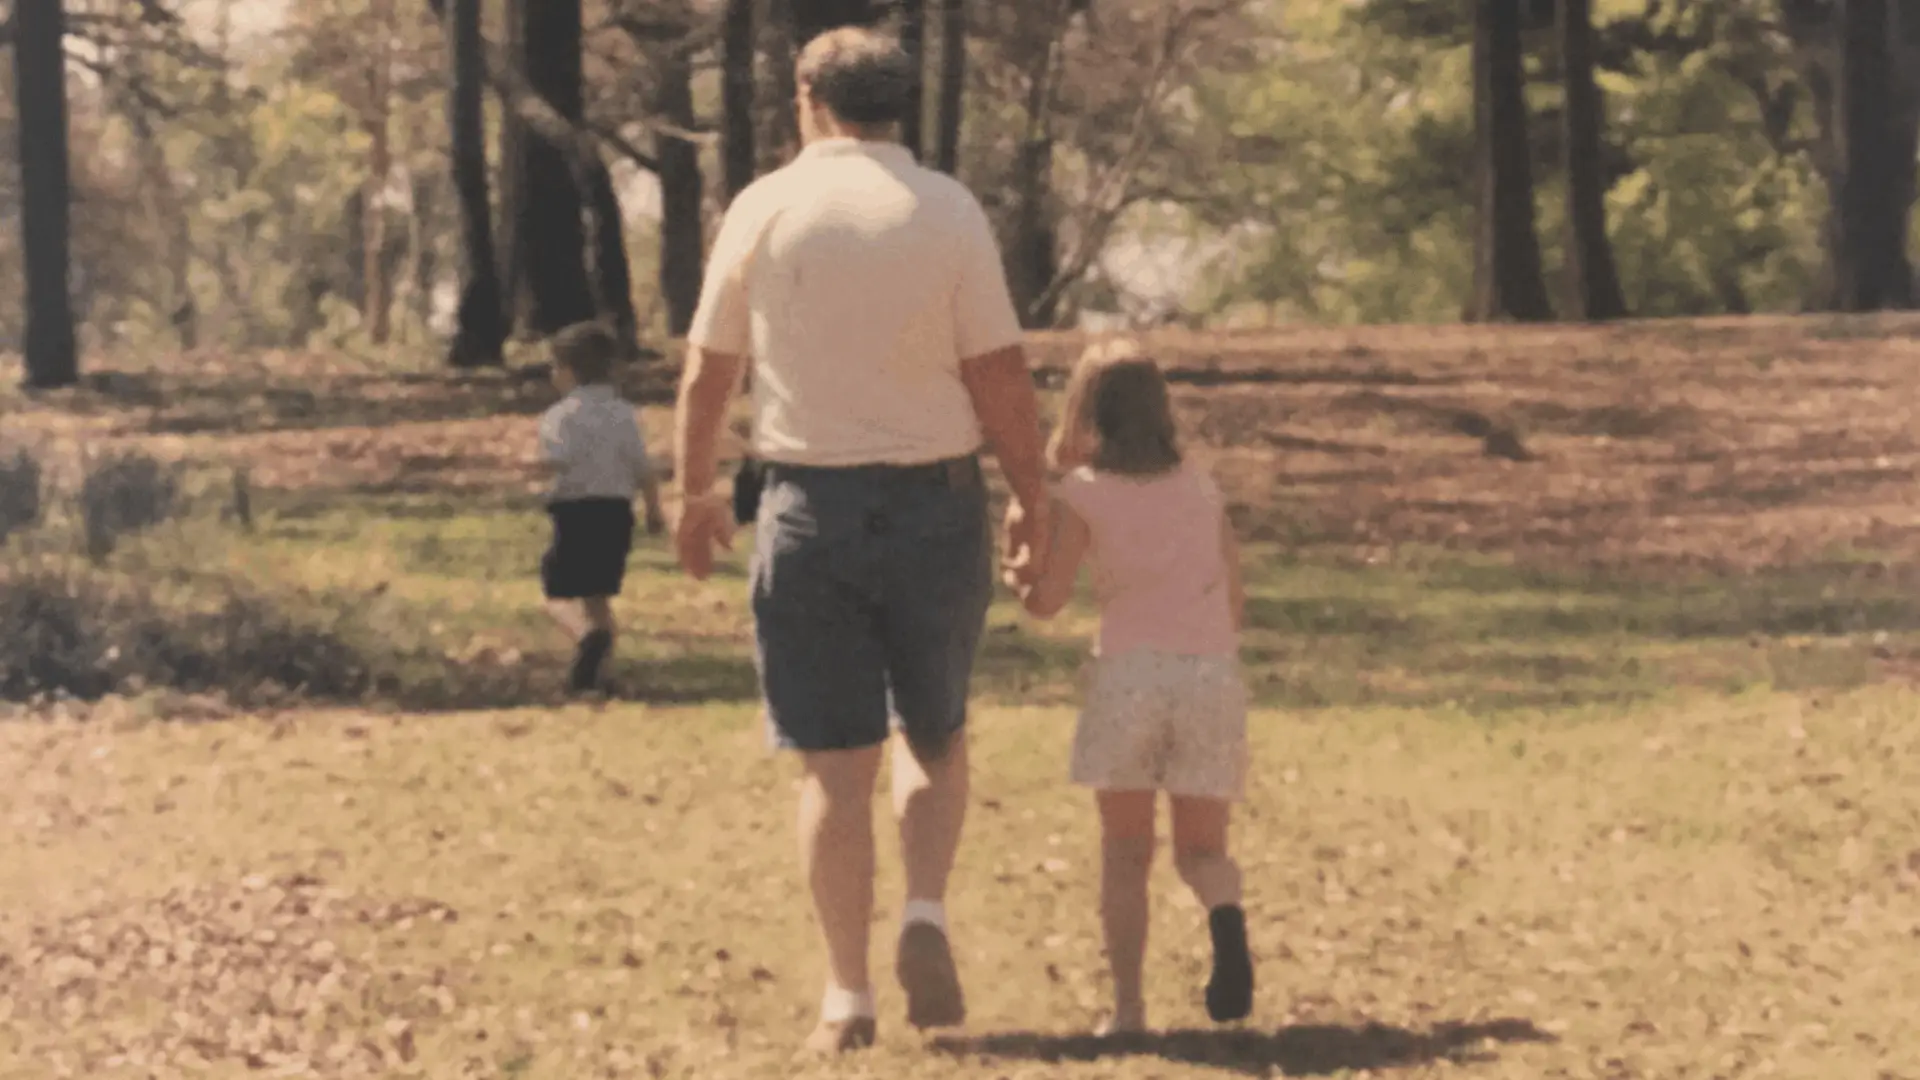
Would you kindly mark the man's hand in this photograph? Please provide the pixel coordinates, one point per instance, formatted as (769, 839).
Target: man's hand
(656, 519)
(706, 524)
(1028, 532)
(1001, 389)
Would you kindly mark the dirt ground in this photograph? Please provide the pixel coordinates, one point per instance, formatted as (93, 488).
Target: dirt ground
(1717, 445)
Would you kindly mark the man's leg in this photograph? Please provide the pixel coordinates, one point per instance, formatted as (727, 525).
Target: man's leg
(823, 676)
(836, 848)
(940, 581)
(930, 802)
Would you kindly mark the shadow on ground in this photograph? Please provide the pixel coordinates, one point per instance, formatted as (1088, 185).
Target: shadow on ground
(1297, 1050)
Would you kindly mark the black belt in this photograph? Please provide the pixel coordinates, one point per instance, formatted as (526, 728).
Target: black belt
(957, 474)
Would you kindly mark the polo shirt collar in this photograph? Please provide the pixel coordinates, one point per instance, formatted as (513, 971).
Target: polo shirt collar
(846, 146)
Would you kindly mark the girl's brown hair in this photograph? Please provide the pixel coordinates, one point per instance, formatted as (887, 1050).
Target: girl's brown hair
(1117, 416)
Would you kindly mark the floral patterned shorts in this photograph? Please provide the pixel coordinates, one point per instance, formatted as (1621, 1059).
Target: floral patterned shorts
(1163, 722)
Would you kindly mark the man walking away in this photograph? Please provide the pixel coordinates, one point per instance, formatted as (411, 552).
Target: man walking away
(869, 295)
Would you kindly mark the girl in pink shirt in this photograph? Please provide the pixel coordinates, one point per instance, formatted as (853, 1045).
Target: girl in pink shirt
(1166, 706)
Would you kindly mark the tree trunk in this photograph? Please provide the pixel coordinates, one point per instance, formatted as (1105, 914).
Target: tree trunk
(1031, 255)
(612, 273)
(736, 98)
(953, 84)
(1870, 268)
(163, 202)
(681, 191)
(1032, 258)
(40, 95)
(1508, 280)
(377, 312)
(1593, 280)
(782, 133)
(1904, 153)
(913, 38)
(509, 252)
(481, 329)
(811, 18)
(424, 268)
(549, 232)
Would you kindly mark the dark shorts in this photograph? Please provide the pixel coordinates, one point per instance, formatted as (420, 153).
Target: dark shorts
(870, 594)
(591, 541)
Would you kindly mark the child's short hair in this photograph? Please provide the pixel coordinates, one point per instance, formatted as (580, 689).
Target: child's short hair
(588, 349)
(1117, 400)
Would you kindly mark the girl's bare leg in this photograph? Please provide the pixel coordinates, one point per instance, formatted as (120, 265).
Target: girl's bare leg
(1200, 853)
(1127, 842)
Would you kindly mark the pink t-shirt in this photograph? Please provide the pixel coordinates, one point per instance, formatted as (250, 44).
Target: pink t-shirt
(1158, 571)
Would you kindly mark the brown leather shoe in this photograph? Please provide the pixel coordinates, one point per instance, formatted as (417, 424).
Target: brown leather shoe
(926, 972)
(840, 1036)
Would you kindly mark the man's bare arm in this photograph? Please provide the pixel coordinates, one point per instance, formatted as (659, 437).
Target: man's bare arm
(1053, 588)
(1004, 400)
(706, 386)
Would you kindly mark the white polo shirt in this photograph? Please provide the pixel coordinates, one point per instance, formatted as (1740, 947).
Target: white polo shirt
(857, 281)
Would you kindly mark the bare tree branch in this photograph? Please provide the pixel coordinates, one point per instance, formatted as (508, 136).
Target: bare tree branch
(580, 143)
(113, 75)
(1115, 191)
(610, 135)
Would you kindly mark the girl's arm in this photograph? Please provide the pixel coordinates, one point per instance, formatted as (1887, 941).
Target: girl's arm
(1236, 586)
(1060, 564)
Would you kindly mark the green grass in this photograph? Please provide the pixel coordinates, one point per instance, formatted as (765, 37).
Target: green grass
(1504, 822)
(1425, 629)
(440, 598)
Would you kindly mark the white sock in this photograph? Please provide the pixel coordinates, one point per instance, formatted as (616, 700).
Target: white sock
(838, 1004)
(927, 911)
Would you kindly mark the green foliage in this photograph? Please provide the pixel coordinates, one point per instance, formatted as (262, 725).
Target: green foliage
(1342, 169)
(1308, 161)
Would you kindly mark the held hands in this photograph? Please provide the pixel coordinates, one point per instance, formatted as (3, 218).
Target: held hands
(1028, 535)
(705, 525)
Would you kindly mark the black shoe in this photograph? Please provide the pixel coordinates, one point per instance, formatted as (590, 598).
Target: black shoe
(1230, 990)
(587, 658)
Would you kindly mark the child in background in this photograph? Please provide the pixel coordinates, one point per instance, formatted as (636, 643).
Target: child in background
(590, 442)
(1166, 706)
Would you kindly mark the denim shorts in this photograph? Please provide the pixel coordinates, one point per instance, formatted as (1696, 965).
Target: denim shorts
(870, 592)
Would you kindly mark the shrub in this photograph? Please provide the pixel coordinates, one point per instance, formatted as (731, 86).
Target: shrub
(124, 494)
(85, 634)
(20, 500)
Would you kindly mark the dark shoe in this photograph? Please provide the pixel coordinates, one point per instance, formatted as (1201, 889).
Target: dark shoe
(1230, 989)
(926, 972)
(840, 1036)
(587, 658)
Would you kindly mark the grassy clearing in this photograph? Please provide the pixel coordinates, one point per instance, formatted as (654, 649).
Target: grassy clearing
(1702, 888)
(1596, 765)
(433, 599)
(1506, 822)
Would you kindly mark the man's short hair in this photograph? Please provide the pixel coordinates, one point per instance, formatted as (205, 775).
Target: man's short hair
(862, 76)
(588, 349)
